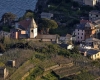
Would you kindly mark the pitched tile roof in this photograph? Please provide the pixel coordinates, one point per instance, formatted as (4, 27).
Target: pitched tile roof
(80, 26)
(25, 23)
(92, 51)
(47, 36)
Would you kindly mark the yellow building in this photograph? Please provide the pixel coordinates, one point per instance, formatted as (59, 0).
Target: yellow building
(90, 53)
(93, 54)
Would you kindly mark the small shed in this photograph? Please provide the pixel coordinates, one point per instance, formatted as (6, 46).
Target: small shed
(46, 15)
(3, 73)
(11, 63)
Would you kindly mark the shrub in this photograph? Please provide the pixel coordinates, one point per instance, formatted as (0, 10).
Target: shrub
(2, 48)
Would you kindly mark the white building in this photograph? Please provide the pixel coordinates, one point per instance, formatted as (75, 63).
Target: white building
(87, 2)
(46, 15)
(94, 15)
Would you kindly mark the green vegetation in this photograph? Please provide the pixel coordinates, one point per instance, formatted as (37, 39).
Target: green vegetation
(2, 64)
(47, 24)
(67, 13)
(6, 28)
(36, 58)
(28, 14)
(82, 76)
(36, 72)
(49, 76)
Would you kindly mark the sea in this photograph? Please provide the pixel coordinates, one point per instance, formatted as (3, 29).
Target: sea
(17, 7)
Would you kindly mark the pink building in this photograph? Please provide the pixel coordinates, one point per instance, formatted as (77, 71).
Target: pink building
(80, 31)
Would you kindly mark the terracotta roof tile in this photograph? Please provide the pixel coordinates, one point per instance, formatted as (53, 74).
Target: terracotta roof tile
(25, 23)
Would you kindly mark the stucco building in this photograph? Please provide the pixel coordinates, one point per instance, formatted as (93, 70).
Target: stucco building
(90, 30)
(91, 53)
(84, 30)
(94, 15)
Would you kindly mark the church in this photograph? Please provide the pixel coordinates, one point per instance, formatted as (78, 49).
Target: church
(24, 29)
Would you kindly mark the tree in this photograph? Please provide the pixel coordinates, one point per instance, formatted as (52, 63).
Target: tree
(28, 14)
(75, 50)
(8, 17)
(56, 1)
(48, 24)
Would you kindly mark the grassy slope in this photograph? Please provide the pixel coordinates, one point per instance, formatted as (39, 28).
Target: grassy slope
(18, 74)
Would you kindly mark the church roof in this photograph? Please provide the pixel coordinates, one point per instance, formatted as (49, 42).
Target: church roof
(28, 23)
(25, 23)
(33, 24)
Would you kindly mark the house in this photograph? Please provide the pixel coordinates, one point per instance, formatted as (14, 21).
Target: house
(93, 54)
(90, 2)
(85, 46)
(97, 25)
(65, 39)
(90, 53)
(3, 73)
(11, 63)
(79, 32)
(93, 42)
(52, 38)
(94, 15)
(84, 30)
(24, 29)
(79, 1)
(4, 34)
(90, 30)
(87, 2)
(90, 43)
(46, 15)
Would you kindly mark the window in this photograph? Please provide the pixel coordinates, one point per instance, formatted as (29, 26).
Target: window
(96, 15)
(32, 31)
(81, 37)
(82, 33)
(78, 33)
(78, 37)
(98, 54)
